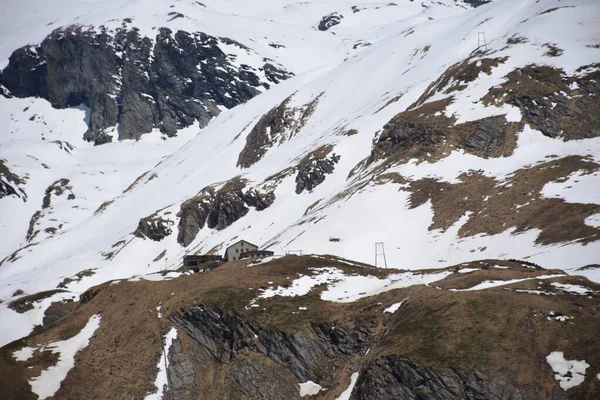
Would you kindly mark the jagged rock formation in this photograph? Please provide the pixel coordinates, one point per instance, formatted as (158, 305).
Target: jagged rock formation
(55, 190)
(154, 227)
(214, 334)
(313, 168)
(10, 183)
(396, 377)
(219, 208)
(275, 127)
(330, 20)
(58, 188)
(552, 102)
(422, 132)
(168, 82)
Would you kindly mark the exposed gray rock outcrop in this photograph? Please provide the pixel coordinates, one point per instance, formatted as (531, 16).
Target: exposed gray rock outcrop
(330, 20)
(56, 189)
(10, 183)
(262, 135)
(275, 127)
(305, 354)
(233, 346)
(219, 208)
(168, 82)
(154, 228)
(395, 377)
(401, 135)
(489, 136)
(557, 105)
(313, 168)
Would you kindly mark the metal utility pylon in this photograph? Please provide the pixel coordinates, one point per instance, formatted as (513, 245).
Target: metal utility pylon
(481, 43)
(380, 252)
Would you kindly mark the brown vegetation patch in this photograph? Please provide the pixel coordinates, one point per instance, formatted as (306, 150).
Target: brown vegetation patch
(494, 207)
(497, 332)
(552, 51)
(491, 270)
(26, 303)
(76, 278)
(457, 77)
(103, 207)
(515, 39)
(134, 183)
(426, 134)
(558, 105)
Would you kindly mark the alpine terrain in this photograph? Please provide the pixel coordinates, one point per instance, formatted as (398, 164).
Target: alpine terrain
(279, 199)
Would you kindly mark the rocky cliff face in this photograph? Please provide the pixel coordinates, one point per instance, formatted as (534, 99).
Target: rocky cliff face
(330, 20)
(168, 82)
(219, 208)
(10, 183)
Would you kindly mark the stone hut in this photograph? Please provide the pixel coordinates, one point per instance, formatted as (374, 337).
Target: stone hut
(234, 252)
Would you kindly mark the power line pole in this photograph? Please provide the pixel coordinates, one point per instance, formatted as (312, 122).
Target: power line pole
(380, 251)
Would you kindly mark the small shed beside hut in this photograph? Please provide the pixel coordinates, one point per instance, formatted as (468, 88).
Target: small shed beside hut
(256, 254)
(197, 262)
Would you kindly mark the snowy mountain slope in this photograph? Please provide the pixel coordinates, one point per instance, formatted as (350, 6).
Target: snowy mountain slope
(420, 78)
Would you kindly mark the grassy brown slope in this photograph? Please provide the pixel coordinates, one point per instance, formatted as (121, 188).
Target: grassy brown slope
(496, 330)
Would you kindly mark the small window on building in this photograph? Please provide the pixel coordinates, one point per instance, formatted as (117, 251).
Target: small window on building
(237, 250)
(234, 258)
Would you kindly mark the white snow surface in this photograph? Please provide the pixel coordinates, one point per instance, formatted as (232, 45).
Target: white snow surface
(394, 307)
(492, 284)
(163, 363)
(569, 373)
(343, 288)
(357, 86)
(24, 354)
(567, 287)
(345, 395)
(309, 388)
(48, 383)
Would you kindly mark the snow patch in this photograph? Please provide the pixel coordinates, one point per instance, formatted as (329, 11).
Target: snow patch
(24, 354)
(48, 383)
(491, 284)
(394, 307)
(569, 373)
(345, 395)
(577, 289)
(163, 363)
(309, 388)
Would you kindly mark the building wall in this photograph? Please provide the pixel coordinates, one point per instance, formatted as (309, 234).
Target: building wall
(233, 253)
